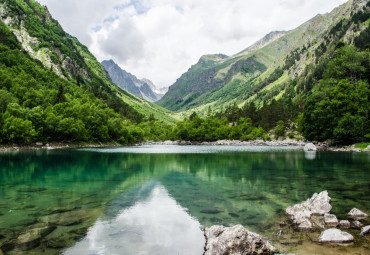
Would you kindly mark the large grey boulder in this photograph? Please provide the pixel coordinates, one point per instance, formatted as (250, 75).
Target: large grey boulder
(318, 204)
(310, 147)
(235, 240)
(334, 235)
(356, 213)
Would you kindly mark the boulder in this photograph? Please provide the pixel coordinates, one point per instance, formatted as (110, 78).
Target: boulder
(310, 147)
(334, 235)
(305, 226)
(356, 213)
(365, 230)
(331, 220)
(357, 224)
(235, 240)
(318, 204)
(345, 224)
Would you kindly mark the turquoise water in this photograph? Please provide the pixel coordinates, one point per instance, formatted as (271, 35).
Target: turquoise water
(156, 199)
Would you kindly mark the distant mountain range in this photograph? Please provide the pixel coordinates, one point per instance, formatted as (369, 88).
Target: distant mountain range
(143, 88)
(280, 63)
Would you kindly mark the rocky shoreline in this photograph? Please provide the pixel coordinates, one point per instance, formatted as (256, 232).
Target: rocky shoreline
(286, 142)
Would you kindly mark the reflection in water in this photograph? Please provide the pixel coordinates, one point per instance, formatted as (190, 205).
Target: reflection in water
(310, 155)
(218, 185)
(153, 225)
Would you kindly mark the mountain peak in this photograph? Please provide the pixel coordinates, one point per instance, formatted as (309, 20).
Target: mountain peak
(143, 88)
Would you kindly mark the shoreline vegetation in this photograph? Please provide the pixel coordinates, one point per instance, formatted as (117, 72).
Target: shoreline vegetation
(287, 142)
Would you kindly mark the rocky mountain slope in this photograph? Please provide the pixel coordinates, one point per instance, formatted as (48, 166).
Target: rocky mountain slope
(277, 64)
(45, 41)
(142, 88)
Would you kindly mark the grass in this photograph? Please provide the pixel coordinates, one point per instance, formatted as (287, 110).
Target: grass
(362, 145)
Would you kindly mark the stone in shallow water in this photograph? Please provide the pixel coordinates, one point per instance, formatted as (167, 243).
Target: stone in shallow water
(235, 240)
(365, 230)
(356, 213)
(345, 224)
(334, 235)
(70, 218)
(318, 204)
(305, 226)
(30, 238)
(357, 224)
(310, 147)
(331, 220)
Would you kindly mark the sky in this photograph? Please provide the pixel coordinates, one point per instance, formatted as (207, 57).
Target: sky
(160, 39)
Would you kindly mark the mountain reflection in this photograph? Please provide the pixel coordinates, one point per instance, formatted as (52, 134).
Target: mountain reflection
(154, 224)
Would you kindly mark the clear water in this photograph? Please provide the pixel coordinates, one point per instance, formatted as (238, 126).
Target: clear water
(156, 199)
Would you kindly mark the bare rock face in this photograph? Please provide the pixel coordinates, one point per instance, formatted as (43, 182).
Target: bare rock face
(318, 204)
(356, 213)
(235, 240)
(331, 220)
(334, 235)
(365, 230)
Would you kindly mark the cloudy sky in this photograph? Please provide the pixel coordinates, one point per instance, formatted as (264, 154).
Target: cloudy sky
(161, 39)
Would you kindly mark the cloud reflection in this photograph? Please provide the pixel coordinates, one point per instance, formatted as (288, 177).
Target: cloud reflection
(154, 225)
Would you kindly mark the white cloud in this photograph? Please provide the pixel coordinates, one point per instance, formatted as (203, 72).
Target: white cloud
(161, 39)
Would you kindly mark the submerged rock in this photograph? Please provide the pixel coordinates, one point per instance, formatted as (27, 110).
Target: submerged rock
(69, 218)
(356, 213)
(365, 230)
(331, 220)
(345, 224)
(30, 238)
(334, 235)
(318, 204)
(235, 240)
(310, 147)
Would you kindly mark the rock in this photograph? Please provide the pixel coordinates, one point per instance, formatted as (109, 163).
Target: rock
(357, 224)
(356, 150)
(310, 147)
(345, 224)
(318, 204)
(305, 225)
(365, 230)
(334, 235)
(69, 218)
(331, 220)
(30, 238)
(282, 224)
(235, 240)
(39, 144)
(356, 213)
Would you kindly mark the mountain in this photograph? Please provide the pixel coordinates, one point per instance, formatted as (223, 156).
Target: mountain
(53, 89)
(142, 88)
(278, 63)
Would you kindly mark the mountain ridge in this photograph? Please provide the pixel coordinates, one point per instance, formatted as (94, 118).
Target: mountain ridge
(143, 88)
(265, 68)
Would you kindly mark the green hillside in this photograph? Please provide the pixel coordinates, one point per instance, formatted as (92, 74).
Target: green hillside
(262, 73)
(53, 89)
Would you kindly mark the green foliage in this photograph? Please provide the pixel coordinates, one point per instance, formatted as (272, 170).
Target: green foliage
(338, 107)
(280, 129)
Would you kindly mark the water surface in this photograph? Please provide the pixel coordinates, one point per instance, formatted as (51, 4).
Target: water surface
(156, 199)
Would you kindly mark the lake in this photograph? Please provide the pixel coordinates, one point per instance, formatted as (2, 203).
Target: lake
(157, 199)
